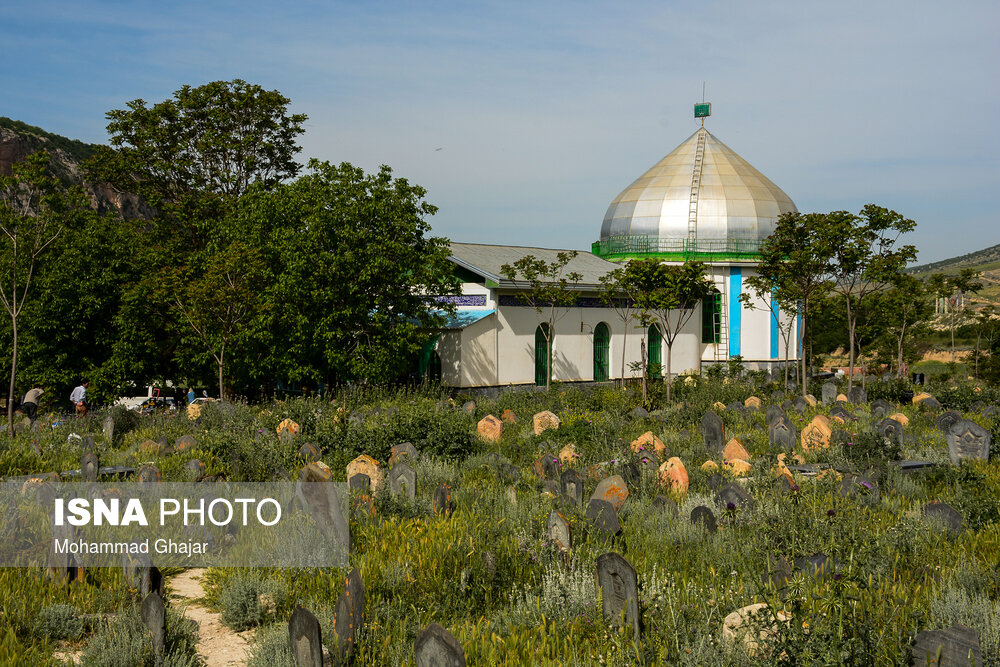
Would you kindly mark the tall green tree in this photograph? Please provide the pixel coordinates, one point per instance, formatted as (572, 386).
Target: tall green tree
(866, 258)
(617, 295)
(355, 273)
(34, 212)
(547, 288)
(669, 295)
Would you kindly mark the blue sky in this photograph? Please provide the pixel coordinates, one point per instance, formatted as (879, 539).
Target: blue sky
(543, 112)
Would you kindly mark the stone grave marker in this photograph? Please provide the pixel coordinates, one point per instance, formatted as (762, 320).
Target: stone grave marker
(703, 516)
(734, 449)
(736, 407)
(401, 452)
(782, 434)
(829, 393)
(647, 442)
(309, 452)
(108, 427)
(613, 490)
(602, 516)
(436, 647)
(857, 396)
(547, 466)
(571, 483)
(354, 587)
(859, 488)
(818, 565)
(752, 403)
(551, 487)
(816, 434)
(957, 645)
(403, 480)
(890, 429)
(359, 483)
(469, 407)
(800, 404)
(87, 443)
(367, 465)
(544, 421)
(947, 419)
(148, 474)
(508, 416)
(778, 573)
(154, 617)
(184, 443)
(639, 412)
(945, 514)
(559, 531)
(194, 470)
(881, 408)
(89, 467)
(489, 429)
(316, 472)
(443, 504)
(508, 473)
(991, 411)
(735, 495)
(305, 638)
(631, 474)
(619, 590)
(715, 481)
(350, 616)
(667, 504)
(841, 411)
(774, 414)
(968, 440)
(713, 432)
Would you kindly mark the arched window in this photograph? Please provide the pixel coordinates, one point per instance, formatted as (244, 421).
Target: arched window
(543, 343)
(602, 343)
(711, 318)
(654, 350)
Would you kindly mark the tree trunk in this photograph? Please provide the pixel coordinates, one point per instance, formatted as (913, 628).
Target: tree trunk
(13, 374)
(624, 346)
(952, 320)
(645, 368)
(851, 325)
(667, 377)
(802, 349)
(222, 356)
(548, 360)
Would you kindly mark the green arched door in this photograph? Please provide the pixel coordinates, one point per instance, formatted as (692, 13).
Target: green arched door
(654, 350)
(542, 345)
(602, 343)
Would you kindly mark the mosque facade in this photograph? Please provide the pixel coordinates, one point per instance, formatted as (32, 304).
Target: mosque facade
(701, 202)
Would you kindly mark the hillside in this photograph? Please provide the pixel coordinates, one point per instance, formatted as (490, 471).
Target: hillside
(981, 260)
(18, 140)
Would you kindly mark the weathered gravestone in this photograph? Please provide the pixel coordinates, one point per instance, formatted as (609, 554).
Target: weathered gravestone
(154, 617)
(571, 483)
(508, 473)
(818, 565)
(436, 647)
(968, 440)
(613, 490)
(619, 590)
(991, 411)
(800, 404)
(87, 443)
(841, 412)
(602, 516)
(469, 407)
(547, 466)
(667, 504)
(148, 474)
(401, 452)
(316, 472)
(305, 638)
(857, 395)
(194, 470)
(559, 531)
(108, 427)
(552, 488)
(891, 430)
(403, 480)
(309, 452)
(713, 432)
(735, 495)
(881, 408)
(703, 516)
(778, 573)
(774, 414)
(947, 419)
(184, 443)
(442, 500)
(544, 421)
(859, 488)
(829, 393)
(141, 575)
(957, 645)
(319, 497)
(736, 407)
(366, 465)
(89, 467)
(639, 413)
(631, 474)
(782, 433)
(359, 483)
(946, 515)
(350, 617)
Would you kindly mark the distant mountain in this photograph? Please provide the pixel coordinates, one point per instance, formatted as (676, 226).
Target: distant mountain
(19, 140)
(987, 259)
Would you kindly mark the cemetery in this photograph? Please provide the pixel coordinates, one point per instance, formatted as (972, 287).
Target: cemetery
(739, 523)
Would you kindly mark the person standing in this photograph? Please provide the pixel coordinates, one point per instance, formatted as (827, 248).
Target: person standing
(191, 395)
(79, 398)
(30, 403)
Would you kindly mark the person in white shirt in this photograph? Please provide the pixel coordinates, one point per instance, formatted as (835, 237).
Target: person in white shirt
(79, 398)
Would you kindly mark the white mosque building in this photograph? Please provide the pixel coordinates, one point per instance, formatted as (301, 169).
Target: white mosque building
(700, 202)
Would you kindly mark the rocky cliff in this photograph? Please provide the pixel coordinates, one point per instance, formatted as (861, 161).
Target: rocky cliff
(18, 140)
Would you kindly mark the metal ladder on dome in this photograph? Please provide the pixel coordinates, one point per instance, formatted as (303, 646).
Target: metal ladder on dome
(699, 159)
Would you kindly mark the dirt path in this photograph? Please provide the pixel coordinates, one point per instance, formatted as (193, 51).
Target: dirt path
(217, 644)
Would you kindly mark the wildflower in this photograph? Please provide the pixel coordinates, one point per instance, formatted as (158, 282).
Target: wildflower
(794, 487)
(831, 513)
(731, 507)
(838, 576)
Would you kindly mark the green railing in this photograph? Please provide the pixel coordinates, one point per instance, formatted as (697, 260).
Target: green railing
(622, 247)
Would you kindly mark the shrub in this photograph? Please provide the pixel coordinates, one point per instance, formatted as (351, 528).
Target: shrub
(59, 621)
(248, 601)
(271, 648)
(954, 604)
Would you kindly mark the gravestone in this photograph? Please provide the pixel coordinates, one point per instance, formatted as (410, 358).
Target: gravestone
(508, 473)
(667, 504)
(639, 413)
(87, 444)
(818, 565)
(545, 420)
(436, 647)
(736, 407)
(859, 488)
(154, 617)
(194, 470)
(945, 514)
(403, 480)
(308, 452)
(89, 467)
(991, 411)
(368, 466)
(619, 590)
(968, 440)
(800, 404)
(469, 407)
(735, 495)
(350, 616)
(602, 516)
(403, 451)
(947, 419)
(571, 484)
(613, 490)
(703, 516)
(841, 411)
(715, 481)
(354, 588)
(559, 531)
(547, 466)
(631, 474)
(881, 408)
(316, 472)
(148, 474)
(552, 488)
(778, 573)
(891, 430)
(490, 429)
(713, 432)
(442, 500)
(857, 396)
(305, 638)
(782, 434)
(829, 393)
(774, 414)
(109, 428)
(957, 645)
(185, 442)
(359, 483)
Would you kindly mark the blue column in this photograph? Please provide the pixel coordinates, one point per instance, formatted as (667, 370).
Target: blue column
(775, 314)
(735, 309)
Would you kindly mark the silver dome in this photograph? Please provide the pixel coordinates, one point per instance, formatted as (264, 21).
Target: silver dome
(725, 200)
